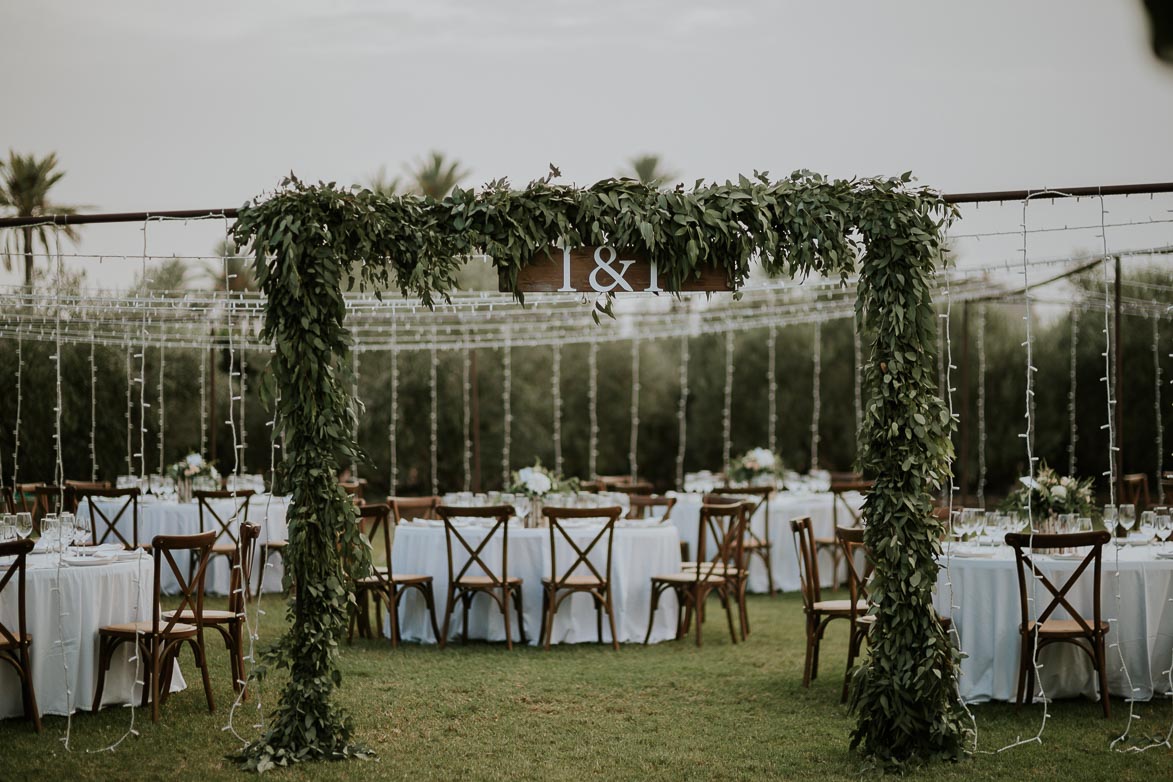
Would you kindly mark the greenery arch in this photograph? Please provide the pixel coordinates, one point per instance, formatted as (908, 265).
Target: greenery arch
(308, 239)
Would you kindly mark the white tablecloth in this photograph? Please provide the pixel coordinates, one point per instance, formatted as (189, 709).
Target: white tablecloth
(638, 554)
(63, 618)
(986, 589)
(784, 506)
(158, 517)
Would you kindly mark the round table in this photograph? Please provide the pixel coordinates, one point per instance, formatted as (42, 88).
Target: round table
(167, 517)
(64, 608)
(980, 592)
(784, 506)
(639, 551)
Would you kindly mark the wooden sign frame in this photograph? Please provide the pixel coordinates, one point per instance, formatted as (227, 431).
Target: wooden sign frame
(601, 269)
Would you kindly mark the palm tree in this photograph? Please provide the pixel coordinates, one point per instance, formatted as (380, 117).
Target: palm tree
(380, 184)
(436, 177)
(24, 188)
(649, 170)
(238, 268)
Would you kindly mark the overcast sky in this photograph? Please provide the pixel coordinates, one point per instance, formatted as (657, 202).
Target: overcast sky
(175, 106)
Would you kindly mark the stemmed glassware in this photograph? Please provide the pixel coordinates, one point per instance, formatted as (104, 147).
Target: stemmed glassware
(1128, 517)
(1148, 524)
(24, 524)
(83, 528)
(50, 531)
(7, 528)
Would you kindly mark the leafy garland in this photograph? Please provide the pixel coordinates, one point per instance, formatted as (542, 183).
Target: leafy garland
(308, 238)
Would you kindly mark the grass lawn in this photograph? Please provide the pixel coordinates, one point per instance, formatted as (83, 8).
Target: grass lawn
(666, 712)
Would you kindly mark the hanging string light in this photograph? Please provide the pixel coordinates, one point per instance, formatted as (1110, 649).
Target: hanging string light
(857, 347)
(772, 392)
(682, 414)
(393, 426)
(19, 399)
(816, 393)
(727, 412)
(357, 406)
(593, 409)
(1073, 435)
(162, 422)
(240, 461)
(433, 420)
(1158, 425)
(203, 405)
(940, 363)
(466, 393)
(93, 415)
(556, 396)
(632, 449)
(129, 413)
(981, 406)
(506, 406)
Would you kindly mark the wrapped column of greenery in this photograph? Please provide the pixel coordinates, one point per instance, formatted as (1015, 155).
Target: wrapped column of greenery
(307, 239)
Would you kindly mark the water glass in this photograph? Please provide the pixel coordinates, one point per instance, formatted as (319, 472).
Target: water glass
(1148, 524)
(1128, 516)
(7, 528)
(1164, 525)
(1111, 517)
(24, 524)
(82, 531)
(50, 531)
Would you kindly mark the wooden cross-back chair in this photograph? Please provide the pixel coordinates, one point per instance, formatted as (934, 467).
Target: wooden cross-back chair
(755, 544)
(640, 505)
(633, 489)
(383, 584)
(48, 498)
(230, 623)
(728, 555)
(1038, 632)
(692, 586)
(611, 482)
(72, 488)
(24, 499)
(14, 644)
(842, 515)
(859, 571)
(819, 613)
(501, 587)
(1136, 490)
(564, 582)
(159, 640)
(225, 525)
(104, 521)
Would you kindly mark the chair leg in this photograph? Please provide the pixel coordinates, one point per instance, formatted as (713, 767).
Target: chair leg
(202, 659)
(1102, 666)
(598, 617)
(611, 620)
(156, 674)
(725, 598)
(765, 555)
(1023, 662)
(103, 663)
(505, 610)
(806, 666)
(854, 643)
(29, 695)
(449, 607)
(465, 599)
(392, 616)
(520, 615)
(742, 612)
(655, 602)
(547, 621)
(430, 602)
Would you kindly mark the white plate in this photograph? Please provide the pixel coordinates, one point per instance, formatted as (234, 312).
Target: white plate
(1165, 555)
(1075, 556)
(969, 554)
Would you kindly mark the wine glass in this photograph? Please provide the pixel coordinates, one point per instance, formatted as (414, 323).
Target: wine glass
(50, 529)
(7, 528)
(1165, 525)
(83, 528)
(1110, 519)
(68, 526)
(24, 524)
(1128, 517)
(1148, 524)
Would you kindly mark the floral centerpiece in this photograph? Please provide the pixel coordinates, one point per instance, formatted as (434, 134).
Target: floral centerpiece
(1049, 494)
(537, 482)
(193, 470)
(756, 466)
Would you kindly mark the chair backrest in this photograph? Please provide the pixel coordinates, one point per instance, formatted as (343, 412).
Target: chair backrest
(840, 488)
(104, 524)
(242, 567)
(212, 519)
(851, 543)
(1136, 490)
(501, 514)
(633, 489)
(376, 519)
(758, 497)
(639, 505)
(8, 499)
(24, 499)
(808, 561)
(1022, 543)
(725, 525)
(407, 508)
(18, 549)
(73, 487)
(49, 499)
(561, 533)
(191, 590)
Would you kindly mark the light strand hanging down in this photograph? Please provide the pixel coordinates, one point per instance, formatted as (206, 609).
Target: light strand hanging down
(507, 408)
(556, 397)
(433, 420)
(772, 390)
(141, 382)
(466, 398)
(816, 393)
(203, 403)
(19, 399)
(940, 363)
(682, 415)
(241, 463)
(632, 459)
(1073, 433)
(727, 411)
(393, 426)
(93, 415)
(857, 348)
(981, 406)
(1158, 425)
(354, 369)
(593, 410)
(162, 408)
(129, 413)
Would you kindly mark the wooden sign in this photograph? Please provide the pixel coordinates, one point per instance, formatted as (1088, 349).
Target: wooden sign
(603, 270)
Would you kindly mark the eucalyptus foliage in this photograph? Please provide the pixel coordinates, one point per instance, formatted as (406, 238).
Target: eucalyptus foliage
(306, 237)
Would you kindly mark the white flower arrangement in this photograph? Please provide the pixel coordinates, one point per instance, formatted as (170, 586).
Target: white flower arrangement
(191, 467)
(537, 481)
(1049, 494)
(755, 464)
